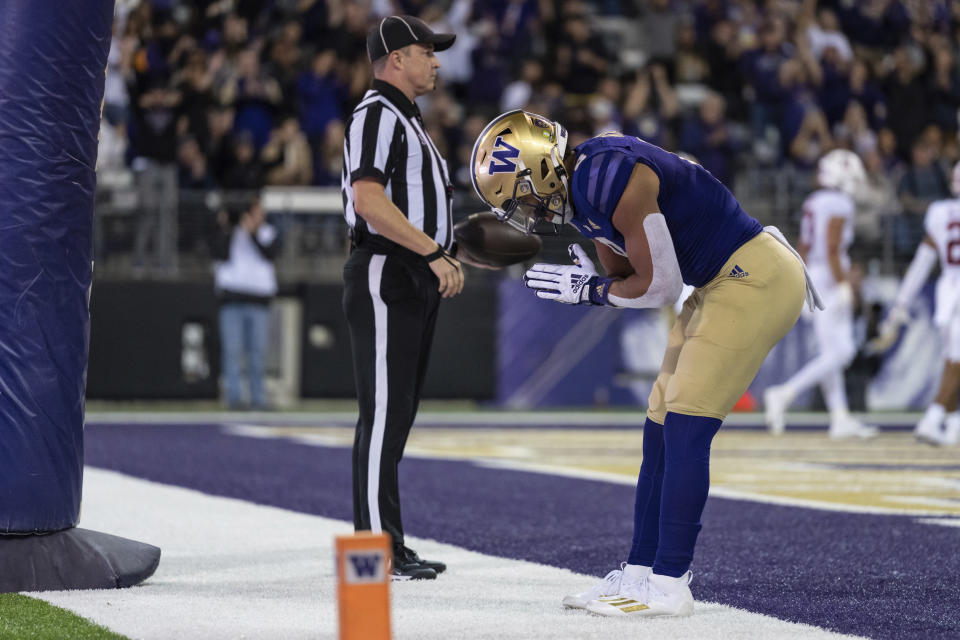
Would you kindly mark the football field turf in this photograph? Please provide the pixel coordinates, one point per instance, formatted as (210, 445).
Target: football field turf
(803, 537)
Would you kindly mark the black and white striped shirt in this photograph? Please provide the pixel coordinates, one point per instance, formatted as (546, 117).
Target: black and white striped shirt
(385, 139)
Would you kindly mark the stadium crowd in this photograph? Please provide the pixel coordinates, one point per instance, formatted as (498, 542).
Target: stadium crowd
(238, 94)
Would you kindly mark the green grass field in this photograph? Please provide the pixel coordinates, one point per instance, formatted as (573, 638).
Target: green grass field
(25, 618)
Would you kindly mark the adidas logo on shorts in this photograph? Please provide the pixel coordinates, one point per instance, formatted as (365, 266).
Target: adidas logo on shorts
(737, 272)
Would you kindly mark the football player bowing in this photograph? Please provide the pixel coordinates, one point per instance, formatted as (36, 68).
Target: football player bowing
(657, 221)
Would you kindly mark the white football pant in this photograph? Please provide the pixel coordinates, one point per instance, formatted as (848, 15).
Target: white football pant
(833, 328)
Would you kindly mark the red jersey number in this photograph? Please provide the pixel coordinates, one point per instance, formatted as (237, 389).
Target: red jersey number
(953, 242)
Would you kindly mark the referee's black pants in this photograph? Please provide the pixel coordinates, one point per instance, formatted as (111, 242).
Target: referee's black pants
(390, 301)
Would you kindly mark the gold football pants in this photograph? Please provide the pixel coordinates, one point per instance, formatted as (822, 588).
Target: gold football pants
(726, 329)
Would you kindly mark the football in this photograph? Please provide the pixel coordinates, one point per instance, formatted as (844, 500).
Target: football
(488, 241)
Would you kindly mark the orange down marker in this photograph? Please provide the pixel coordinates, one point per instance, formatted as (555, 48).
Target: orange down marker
(363, 586)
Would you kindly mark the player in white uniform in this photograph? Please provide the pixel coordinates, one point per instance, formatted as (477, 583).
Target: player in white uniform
(940, 424)
(825, 236)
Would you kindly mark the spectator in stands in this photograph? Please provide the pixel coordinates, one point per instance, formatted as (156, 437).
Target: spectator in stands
(320, 96)
(943, 88)
(581, 56)
(906, 100)
(155, 111)
(443, 118)
(244, 246)
(707, 137)
(491, 63)
(235, 34)
(865, 91)
(854, 131)
(193, 171)
(707, 15)
(689, 64)
(650, 105)
(255, 94)
(195, 84)
(516, 21)
(347, 36)
(157, 54)
(603, 109)
(923, 182)
(658, 25)
(804, 128)
(245, 170)
(347, 33)
(286, 157)
(812, 140)
(824, 34)
(761, 68)
(457, 61)
(723, 53)
(887, 146)
(329, 164)
(875, 24)
(284, 62)
(832, 80)
(517, 94)
(218, 147)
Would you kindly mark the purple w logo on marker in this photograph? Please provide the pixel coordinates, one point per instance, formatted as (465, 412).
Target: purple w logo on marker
(503, 157)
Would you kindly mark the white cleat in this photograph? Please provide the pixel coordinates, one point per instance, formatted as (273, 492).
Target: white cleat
(657, 596)
(609, 586)
(951, 431)
(776, 399)
(847, 428)
(931, 431)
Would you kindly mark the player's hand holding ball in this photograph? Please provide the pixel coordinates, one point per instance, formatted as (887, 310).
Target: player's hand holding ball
(571, 284)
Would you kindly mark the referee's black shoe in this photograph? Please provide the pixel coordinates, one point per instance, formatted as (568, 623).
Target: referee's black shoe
(407, 566)
(408, 554)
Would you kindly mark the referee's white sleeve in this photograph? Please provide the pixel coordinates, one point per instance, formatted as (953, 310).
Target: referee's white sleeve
(371, 134)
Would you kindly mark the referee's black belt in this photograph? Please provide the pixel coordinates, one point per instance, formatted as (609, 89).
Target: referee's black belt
(379, 244)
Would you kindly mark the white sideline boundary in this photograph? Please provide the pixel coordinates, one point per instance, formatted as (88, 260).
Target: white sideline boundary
(493, 418)
(233, 569)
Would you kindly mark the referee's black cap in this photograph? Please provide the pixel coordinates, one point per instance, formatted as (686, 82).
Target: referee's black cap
(396, 32)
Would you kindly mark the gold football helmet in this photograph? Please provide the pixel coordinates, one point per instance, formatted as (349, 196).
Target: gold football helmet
(517, 169)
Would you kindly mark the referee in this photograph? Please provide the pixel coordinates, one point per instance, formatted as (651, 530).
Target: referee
(396, 193)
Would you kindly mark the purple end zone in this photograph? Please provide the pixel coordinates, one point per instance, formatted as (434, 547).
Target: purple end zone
(877, 576)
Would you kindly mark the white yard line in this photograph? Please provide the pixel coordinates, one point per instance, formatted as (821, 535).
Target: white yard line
(545, 419)
(233, 569)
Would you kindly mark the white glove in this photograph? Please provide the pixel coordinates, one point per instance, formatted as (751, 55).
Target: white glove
(570, 284)
(889, 330)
